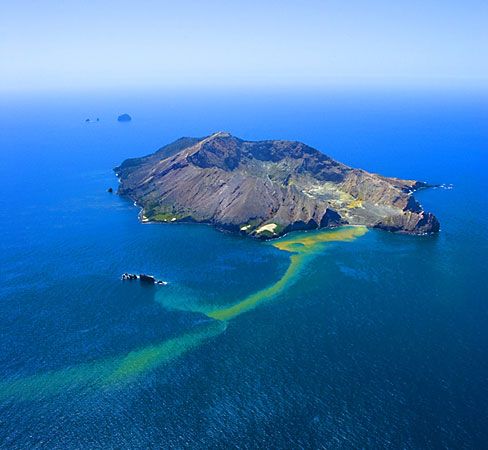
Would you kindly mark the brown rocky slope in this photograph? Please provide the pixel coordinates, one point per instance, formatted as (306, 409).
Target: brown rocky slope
(266, 188)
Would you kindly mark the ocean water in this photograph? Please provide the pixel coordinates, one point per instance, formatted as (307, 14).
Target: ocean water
(342, 339)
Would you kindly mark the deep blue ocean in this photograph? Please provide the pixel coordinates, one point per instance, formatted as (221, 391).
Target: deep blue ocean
(377, 342)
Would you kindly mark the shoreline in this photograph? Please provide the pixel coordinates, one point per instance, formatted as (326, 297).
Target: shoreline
(239, 230)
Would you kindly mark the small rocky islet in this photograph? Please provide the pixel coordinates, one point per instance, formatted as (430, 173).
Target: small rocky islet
(265, 189)
(143, 278)
(124, 118)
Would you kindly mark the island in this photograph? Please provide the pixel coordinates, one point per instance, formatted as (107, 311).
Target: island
(265, 189)
(143, 278)
(124, 118)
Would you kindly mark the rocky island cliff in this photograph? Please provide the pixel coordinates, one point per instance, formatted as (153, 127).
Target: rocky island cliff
(266, 188)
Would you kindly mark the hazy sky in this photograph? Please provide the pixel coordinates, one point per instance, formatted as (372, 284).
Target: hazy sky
(83, 44)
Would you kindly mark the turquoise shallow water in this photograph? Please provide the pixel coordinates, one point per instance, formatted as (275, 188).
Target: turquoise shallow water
(377, 341)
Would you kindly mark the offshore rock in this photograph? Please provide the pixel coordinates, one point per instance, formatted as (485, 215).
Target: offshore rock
(124, 118)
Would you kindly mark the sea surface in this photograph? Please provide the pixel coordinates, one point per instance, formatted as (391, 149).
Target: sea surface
(342, 339)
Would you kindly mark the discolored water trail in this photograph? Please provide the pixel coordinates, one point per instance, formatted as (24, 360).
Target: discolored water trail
(140, 361)
(302, 247)
(117, 371)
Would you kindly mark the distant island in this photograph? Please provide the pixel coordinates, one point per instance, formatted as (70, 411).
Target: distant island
(124, 118)
(267, 188)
